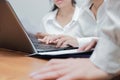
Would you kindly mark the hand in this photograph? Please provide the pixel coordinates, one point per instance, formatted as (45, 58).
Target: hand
(88, 46)
(48, 39)
(70, 69)
(59, 40)
(45, 38)
(41, 35)
(64, 41)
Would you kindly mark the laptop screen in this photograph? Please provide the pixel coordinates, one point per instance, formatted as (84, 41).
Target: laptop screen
(12, 35)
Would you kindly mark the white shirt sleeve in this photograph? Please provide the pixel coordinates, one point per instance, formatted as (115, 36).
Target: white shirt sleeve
(107, 55)
(107, 52)
(83, 41)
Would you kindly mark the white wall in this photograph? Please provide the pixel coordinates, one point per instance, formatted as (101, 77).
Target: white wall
(30, 12)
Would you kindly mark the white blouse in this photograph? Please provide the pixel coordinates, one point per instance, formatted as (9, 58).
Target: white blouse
(53, 27)
(83, 25)
(107, 52)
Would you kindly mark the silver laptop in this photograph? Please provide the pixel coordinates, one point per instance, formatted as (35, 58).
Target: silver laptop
(14, 36)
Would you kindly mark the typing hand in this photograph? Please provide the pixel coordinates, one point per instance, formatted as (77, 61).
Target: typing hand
(49, 39)
(64, 41)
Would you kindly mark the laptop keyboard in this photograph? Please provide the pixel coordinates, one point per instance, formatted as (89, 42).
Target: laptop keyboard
(41, 47)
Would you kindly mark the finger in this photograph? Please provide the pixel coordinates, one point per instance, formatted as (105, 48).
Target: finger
(51, 72)
(56, 38)
(51, 75)
(53, 38)
(60, 42)
(40, 40)
(49, 68)
(65, 44)
(46, 39)
(49, 39)
(43, 39)
(91, 45)
(83, 47)
(53, 66)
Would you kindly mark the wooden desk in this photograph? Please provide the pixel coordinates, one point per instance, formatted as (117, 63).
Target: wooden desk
(17, 66)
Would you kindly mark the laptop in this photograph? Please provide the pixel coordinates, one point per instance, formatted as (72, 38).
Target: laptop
(14, 36)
